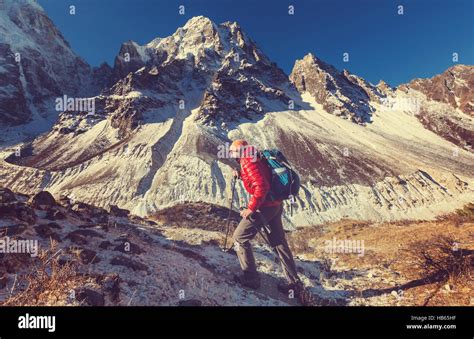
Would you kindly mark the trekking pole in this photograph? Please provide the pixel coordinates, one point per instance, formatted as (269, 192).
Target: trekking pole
(225, 249)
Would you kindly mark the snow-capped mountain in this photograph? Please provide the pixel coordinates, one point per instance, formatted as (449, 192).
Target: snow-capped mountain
(154, 138)
(341, 93)
(37, 63)
(213, 69)
(453, 119)
(454, 87)
(221, 61)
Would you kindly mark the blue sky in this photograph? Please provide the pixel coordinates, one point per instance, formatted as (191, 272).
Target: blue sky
(381, 44)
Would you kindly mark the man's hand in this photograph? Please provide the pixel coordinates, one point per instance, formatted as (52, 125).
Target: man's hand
(246, 213)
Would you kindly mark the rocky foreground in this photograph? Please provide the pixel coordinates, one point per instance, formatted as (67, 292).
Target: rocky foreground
(90, 256)
(86, 255)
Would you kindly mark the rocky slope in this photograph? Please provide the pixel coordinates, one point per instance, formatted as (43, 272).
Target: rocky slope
(443, 104)
(85, 255)
(360, 171)
(79, 254)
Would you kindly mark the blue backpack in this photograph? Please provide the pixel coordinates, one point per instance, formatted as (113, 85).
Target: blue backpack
(285, 183)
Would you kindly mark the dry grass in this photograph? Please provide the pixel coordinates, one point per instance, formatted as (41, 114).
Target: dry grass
(387, 245)
(299, 240)
(47, 283)
(440, 261)
(441, 257)
(307, 240)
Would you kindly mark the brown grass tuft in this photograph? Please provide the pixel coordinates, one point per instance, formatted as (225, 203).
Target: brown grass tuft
(441, 258)
(48, 282)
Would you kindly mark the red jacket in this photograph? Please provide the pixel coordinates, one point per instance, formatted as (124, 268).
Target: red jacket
(256, 177)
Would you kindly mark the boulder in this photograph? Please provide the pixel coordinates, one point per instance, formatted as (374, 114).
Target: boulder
(6, 195)
(111, 284)
(54, 225)
(43, 200)
(88, 209)
(77, 238)
(102, 218)
(87, 233)
(64, 260)
(15, 262)
(104, 245)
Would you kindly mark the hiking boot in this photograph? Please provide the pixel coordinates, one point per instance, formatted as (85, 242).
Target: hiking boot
(247, 280)
(300, 292)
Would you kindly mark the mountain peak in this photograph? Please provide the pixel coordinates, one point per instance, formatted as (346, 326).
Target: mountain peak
(460, 67)
(310, 57)
(200, 42)
(310, 60)
(341, 93)
(453, 87)
(48, 67)
(199, 21)
(383, 86)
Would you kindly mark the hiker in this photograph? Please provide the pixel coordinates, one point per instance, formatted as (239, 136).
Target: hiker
(260, 212)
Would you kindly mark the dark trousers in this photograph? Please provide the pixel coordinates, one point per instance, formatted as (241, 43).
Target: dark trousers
(270, 218)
